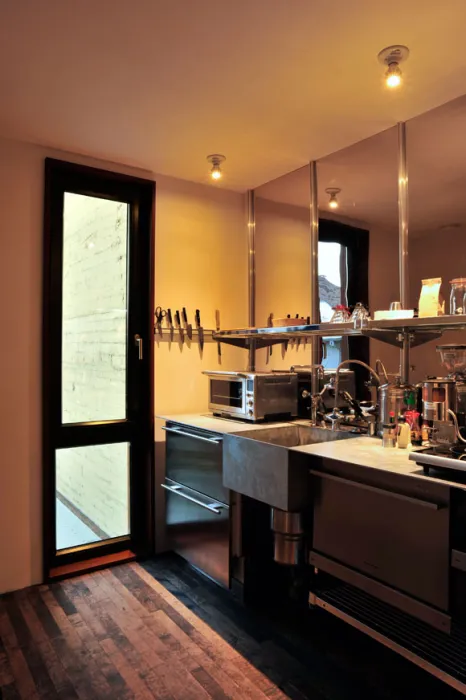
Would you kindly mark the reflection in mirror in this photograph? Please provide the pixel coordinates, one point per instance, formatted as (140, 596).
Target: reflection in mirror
(437, 213)
(358, 223)
(283, 261)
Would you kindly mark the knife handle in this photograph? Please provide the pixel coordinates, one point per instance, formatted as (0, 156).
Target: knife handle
(177, 318)
(184, 315)
(169, 317)
(198, 318)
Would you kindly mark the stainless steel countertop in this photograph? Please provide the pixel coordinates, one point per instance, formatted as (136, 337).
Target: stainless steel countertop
(225, 426)
(368, 452)
(362, 451)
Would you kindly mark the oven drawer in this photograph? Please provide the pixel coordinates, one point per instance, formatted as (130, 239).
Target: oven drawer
(194, 459)
(198, 529)
(398, 539)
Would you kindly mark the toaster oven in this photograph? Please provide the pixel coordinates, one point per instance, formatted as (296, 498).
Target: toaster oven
(253, 396)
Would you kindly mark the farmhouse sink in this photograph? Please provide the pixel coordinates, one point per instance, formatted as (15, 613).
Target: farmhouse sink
(260, 464)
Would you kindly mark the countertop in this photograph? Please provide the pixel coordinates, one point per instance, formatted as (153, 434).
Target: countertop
(362, 451)
(216, 425)
(368, 452)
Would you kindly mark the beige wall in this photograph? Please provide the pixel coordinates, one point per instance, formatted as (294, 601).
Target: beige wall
(186, 213)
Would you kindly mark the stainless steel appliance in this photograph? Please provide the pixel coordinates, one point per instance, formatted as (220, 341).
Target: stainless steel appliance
(444, 398)
(392, 398)
(197, 503)
(438, 396)
(253, 396)
(346, 383)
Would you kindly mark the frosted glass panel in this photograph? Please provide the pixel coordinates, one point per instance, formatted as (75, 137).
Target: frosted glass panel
(92, 494)
(94, 309)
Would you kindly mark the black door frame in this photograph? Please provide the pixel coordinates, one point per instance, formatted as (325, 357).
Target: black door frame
(138, 428)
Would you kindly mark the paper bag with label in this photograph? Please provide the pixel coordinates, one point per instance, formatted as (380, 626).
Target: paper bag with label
(431, 302)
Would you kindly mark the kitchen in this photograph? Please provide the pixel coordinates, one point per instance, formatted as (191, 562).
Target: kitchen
(293, 498)
(347, 507)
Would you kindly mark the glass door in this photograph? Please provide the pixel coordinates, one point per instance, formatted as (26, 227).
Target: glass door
(97, 364)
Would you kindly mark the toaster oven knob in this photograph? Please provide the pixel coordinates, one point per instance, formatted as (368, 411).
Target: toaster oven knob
(249, 403)
(250, 412)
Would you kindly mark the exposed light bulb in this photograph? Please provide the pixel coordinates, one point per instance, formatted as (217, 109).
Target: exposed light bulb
(333, 201)
(393, 76)
(216, 173)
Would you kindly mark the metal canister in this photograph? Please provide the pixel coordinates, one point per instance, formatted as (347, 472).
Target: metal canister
(438, 396)
(392, 400)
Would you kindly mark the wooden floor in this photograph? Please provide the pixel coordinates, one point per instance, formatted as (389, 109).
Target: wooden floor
(160, 631)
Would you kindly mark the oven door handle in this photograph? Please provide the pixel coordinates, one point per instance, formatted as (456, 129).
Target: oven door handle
(212, 507)
(373, 489)
(178, 431)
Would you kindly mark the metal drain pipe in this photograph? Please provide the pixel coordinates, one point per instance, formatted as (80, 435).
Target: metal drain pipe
(288, 538)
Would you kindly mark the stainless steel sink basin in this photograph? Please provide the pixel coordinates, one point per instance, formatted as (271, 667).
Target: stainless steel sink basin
(296, 435)
(261, 465)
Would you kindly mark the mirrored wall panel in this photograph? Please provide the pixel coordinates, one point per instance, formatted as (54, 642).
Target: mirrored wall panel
(437, 213)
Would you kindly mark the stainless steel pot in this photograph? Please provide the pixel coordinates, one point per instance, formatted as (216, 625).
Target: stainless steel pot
(392, 398)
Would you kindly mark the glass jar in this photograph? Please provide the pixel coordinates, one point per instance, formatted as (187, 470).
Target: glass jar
(457, 296)
(360, 316)
(340, 314)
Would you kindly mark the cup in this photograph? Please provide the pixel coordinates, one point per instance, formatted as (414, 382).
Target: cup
(395, 306)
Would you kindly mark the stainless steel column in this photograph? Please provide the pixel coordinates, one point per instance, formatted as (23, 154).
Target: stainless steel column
(403, 240)
(314, 230)
(251, 276)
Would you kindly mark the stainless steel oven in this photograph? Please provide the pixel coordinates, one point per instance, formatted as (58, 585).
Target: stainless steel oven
(253, 396)
(197, 503)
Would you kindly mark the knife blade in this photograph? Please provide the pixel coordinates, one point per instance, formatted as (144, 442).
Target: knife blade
(269, 324)
(200, 330)
(170, 323)
(299, 338)
(217, 325)
(179, 326)
(188, 326)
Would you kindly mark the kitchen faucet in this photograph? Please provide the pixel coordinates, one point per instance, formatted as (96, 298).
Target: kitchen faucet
(335, 416)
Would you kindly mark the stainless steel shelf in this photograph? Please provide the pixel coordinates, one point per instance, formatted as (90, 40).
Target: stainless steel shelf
(420, 331)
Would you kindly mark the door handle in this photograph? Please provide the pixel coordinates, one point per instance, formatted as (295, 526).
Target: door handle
(374, 489)
(212, 507)
(138, 344)
(177, 431)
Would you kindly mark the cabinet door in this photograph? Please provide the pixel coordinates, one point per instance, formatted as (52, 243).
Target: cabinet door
(400, 540)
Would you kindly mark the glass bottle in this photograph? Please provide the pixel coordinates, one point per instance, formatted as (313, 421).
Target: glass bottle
(457, 296)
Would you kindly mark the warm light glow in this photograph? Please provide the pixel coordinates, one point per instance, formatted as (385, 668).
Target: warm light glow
(393, 76)
(333, 204)
(216, 173)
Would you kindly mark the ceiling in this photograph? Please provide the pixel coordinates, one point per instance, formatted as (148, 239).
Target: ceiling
(160, 84)
(367, 175)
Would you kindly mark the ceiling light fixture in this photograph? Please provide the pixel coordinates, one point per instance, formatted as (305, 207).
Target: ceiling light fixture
(216, 171)
(333, 201)
(391, 57)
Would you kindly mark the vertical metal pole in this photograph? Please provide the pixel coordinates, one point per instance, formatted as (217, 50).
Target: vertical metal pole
(403, 241)
(251, 276)
(314, 230)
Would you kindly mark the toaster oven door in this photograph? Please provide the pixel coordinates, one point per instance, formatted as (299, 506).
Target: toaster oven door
(227, 394)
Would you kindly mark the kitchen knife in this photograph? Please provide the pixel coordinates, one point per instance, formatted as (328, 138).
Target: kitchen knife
(200, 330)
(178, 323)
(269, 324)
(299, 339)
(170, 323)
(188, 326)
(217, 324)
